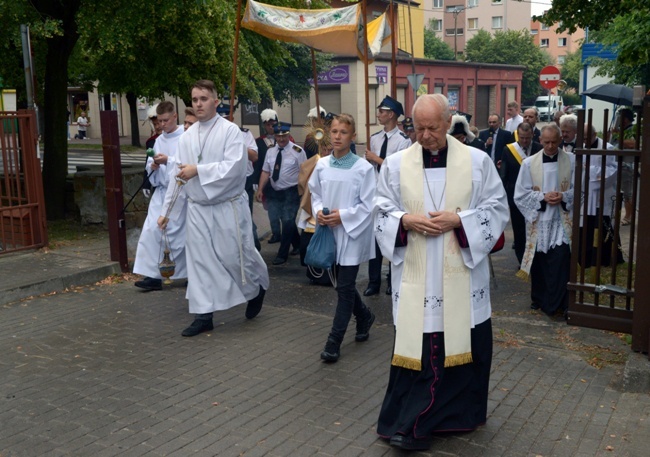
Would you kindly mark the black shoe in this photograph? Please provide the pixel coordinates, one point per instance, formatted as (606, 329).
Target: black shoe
(371, 290)
(363, 328)
(534, 306)
(198, 326)
(149, 284)
(332, 351)
(389, 290)
(255, 305)
(295, 251)
(275, 239)
(279, 260)
(409, 443)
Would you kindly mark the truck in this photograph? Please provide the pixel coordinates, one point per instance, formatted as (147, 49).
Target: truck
(548, 105)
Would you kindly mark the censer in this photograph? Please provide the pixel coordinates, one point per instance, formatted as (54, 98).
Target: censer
(167, 265)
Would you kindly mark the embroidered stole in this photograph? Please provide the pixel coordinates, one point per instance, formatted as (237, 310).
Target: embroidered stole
(537, 177)
(456, 276)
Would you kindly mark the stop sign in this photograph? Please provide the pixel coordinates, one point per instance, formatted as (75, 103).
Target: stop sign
(549, 77)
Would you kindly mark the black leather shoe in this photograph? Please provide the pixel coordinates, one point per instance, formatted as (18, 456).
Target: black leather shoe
(274, 239)
(255, 305)
(295, 251)
(149, 284)
(409, 443)
(198, 326)
(332, 351)
(279, 260)
(534, 306)
(389, 290)
(371, 290)
(363, 328)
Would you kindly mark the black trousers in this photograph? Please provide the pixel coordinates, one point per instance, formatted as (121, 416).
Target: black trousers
(549, 275)
(349, 301)
(374, 269)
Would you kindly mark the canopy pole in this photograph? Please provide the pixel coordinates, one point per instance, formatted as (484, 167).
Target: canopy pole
(393, 43)
(315, 73)
(233, 81)
(365, 68)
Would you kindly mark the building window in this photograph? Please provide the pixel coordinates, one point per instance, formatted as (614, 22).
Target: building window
(544, 27)
(497, 22)
(472, 3)
(450, 32)
(544, 43)
(534, 31)
(437, 3)
(472, 24)
(454, 8)
(561, 42)
(561, 59)
(437, 25)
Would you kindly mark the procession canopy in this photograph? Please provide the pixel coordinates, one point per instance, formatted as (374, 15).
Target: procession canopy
(335, 30)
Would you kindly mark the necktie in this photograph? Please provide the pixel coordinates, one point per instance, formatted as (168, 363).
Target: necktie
(276, 168)
(384, 149)
(494, 144)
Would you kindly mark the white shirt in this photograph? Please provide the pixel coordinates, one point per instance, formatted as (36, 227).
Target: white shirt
(397, 141)
(513, 123)
(292, 156)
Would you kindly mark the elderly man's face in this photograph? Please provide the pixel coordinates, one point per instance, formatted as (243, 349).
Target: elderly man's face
(551, 141)
(530, 116)
(282, 140)
(430, 126)
(568, 133)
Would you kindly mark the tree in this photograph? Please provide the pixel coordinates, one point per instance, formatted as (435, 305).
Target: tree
(571, 69)
(434, 47)
(514, 48)
(136, 48)
(623, 25)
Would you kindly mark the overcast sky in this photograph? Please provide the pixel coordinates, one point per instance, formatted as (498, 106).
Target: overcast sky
(539, 6)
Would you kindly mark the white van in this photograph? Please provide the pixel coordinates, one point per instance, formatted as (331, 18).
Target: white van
(548, 105)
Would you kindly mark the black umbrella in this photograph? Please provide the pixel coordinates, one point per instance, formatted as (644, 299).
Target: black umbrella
(614, 93)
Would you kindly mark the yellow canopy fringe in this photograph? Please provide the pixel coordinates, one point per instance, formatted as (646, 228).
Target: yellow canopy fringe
(407, 362)
(458, 359)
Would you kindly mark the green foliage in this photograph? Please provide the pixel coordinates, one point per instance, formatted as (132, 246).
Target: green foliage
(571, 69)
(434, 47)
(622, 24)
(510, 47)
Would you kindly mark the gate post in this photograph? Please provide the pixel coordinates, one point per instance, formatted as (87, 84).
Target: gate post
(641, 316)
(113, 184)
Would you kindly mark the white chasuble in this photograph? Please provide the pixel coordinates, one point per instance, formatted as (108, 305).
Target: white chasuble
(483, 220)
(224, 268)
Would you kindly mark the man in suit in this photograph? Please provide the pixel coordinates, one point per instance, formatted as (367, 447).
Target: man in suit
(531, 115)
(513, 155)
(495, 138)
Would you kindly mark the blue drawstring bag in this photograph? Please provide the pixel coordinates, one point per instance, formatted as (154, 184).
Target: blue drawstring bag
(321, 252)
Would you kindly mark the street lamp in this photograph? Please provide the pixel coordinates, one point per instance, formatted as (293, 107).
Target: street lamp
(456, 11)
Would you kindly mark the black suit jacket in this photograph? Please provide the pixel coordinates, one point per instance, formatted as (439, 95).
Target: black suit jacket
(509, 170)
(503, 137)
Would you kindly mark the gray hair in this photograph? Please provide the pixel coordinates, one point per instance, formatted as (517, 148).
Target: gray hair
(553, 127)
(570, 120)
(436, 99)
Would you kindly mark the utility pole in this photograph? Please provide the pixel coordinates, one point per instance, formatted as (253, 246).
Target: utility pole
(456, 12)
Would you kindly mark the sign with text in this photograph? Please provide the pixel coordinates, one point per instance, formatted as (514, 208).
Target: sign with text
(382, 74)
(339, 74)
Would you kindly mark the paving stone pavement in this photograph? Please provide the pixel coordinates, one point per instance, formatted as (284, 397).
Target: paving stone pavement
(101, 370)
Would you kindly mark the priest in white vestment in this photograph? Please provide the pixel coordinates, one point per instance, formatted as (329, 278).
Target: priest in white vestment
(224, 268)
(544, 195)
(441, 207)
(161, 170)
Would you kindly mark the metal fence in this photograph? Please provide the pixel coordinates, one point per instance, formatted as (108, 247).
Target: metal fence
(610, 263)
(22, 207)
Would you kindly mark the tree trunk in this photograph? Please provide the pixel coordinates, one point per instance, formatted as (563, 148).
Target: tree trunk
(55, 114)
(132, 99)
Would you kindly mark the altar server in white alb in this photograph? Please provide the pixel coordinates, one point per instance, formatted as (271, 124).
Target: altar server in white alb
(345, 184)
(224, 268)
(162, 170)
(441, 207)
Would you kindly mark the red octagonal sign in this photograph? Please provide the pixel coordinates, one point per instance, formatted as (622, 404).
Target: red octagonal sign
(549, 77)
